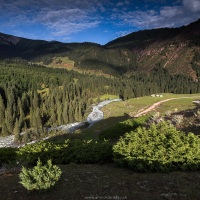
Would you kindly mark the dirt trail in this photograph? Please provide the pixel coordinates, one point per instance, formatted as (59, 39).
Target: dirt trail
(160, 102)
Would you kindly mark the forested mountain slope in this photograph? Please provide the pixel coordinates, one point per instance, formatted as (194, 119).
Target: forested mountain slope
(176, 49)
(85, 55)
(33, 96)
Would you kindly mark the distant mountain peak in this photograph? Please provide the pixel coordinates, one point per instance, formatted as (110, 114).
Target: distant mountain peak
(9, 39)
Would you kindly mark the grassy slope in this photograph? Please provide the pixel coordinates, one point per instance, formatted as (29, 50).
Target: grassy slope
(68, 64)
(133, 106)
(84, 181)
(120, 111)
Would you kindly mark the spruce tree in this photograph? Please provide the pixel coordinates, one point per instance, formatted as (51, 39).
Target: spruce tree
(2, 110)
(17, 131)
(5, 131)
(9, 119)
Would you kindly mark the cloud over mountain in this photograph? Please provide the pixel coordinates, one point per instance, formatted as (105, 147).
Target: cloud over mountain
(92, 20)
(166, 16)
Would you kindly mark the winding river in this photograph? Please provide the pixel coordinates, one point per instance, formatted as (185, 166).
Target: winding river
(95, 116)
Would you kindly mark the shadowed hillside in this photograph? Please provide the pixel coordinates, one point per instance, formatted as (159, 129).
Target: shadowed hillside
(170, 48)
(176, 49)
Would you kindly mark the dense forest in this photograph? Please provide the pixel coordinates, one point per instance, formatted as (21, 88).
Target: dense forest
(37, 97)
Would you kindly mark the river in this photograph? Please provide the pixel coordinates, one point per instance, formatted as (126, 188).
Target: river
(95, 116)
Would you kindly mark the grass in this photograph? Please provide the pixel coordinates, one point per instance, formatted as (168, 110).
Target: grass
(176, 106)
(120, 111)
(106, 182)
(66, 63)
(106, 97)
(135, 105)
(62, 62)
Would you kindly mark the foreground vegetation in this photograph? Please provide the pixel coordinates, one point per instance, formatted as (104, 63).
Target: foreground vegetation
(129, 144)
(41, 177)
(158, 148)
(134, 143)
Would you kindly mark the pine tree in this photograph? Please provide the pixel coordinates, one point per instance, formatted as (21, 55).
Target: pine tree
(59, 114)
(38, 120)
(5, 131)
(35, 100)
(17, 130)
(80, 112)
(2, 110)
(9, 119)
(64, 114)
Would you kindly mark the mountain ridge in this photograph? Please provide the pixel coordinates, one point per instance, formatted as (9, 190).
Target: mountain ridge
(138, 52)
(171, 48)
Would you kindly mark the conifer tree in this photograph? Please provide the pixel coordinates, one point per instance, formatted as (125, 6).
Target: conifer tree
(17, 130)
(59, 114)
(65, 114)
(2, 110)
(38, 119)
(5, 131)
(9, 119)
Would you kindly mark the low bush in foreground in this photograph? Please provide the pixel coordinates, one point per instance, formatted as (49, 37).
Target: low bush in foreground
(69, 151)
(40, 177)
(159, 148)
(8, 155)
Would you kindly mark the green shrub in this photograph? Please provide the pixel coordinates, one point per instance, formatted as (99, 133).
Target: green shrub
(159, 148)
(41, 177)
(8, 155)
(114, 132)
(80, 151)
(76, 151)
(43, 150)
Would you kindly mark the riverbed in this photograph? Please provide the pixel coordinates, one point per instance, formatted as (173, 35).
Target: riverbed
(95, 116)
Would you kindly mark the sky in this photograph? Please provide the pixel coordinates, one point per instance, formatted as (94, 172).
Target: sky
(98, 21)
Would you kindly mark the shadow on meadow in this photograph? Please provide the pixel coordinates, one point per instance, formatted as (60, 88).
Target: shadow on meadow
(83, 146)
(160, 147)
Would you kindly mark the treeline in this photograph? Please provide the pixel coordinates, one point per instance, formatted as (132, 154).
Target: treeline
(195, 63)
(35, 97)
(158, 81)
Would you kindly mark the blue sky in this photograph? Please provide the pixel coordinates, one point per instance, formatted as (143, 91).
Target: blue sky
(92, 20)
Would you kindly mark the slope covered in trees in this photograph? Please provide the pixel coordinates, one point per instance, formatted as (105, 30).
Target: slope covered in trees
(36, 96)
(170, 48)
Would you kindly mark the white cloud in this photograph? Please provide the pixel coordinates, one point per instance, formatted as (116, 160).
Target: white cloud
(67, 21)
(167, 16)
(69, 28)
(64, 17)
(123, 33)
(192, 5)
(61, 17)
(49, 4)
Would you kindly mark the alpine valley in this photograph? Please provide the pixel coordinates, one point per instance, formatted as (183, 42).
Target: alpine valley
(131, 103)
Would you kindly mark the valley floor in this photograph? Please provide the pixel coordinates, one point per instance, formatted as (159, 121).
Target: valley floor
(106, 182)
